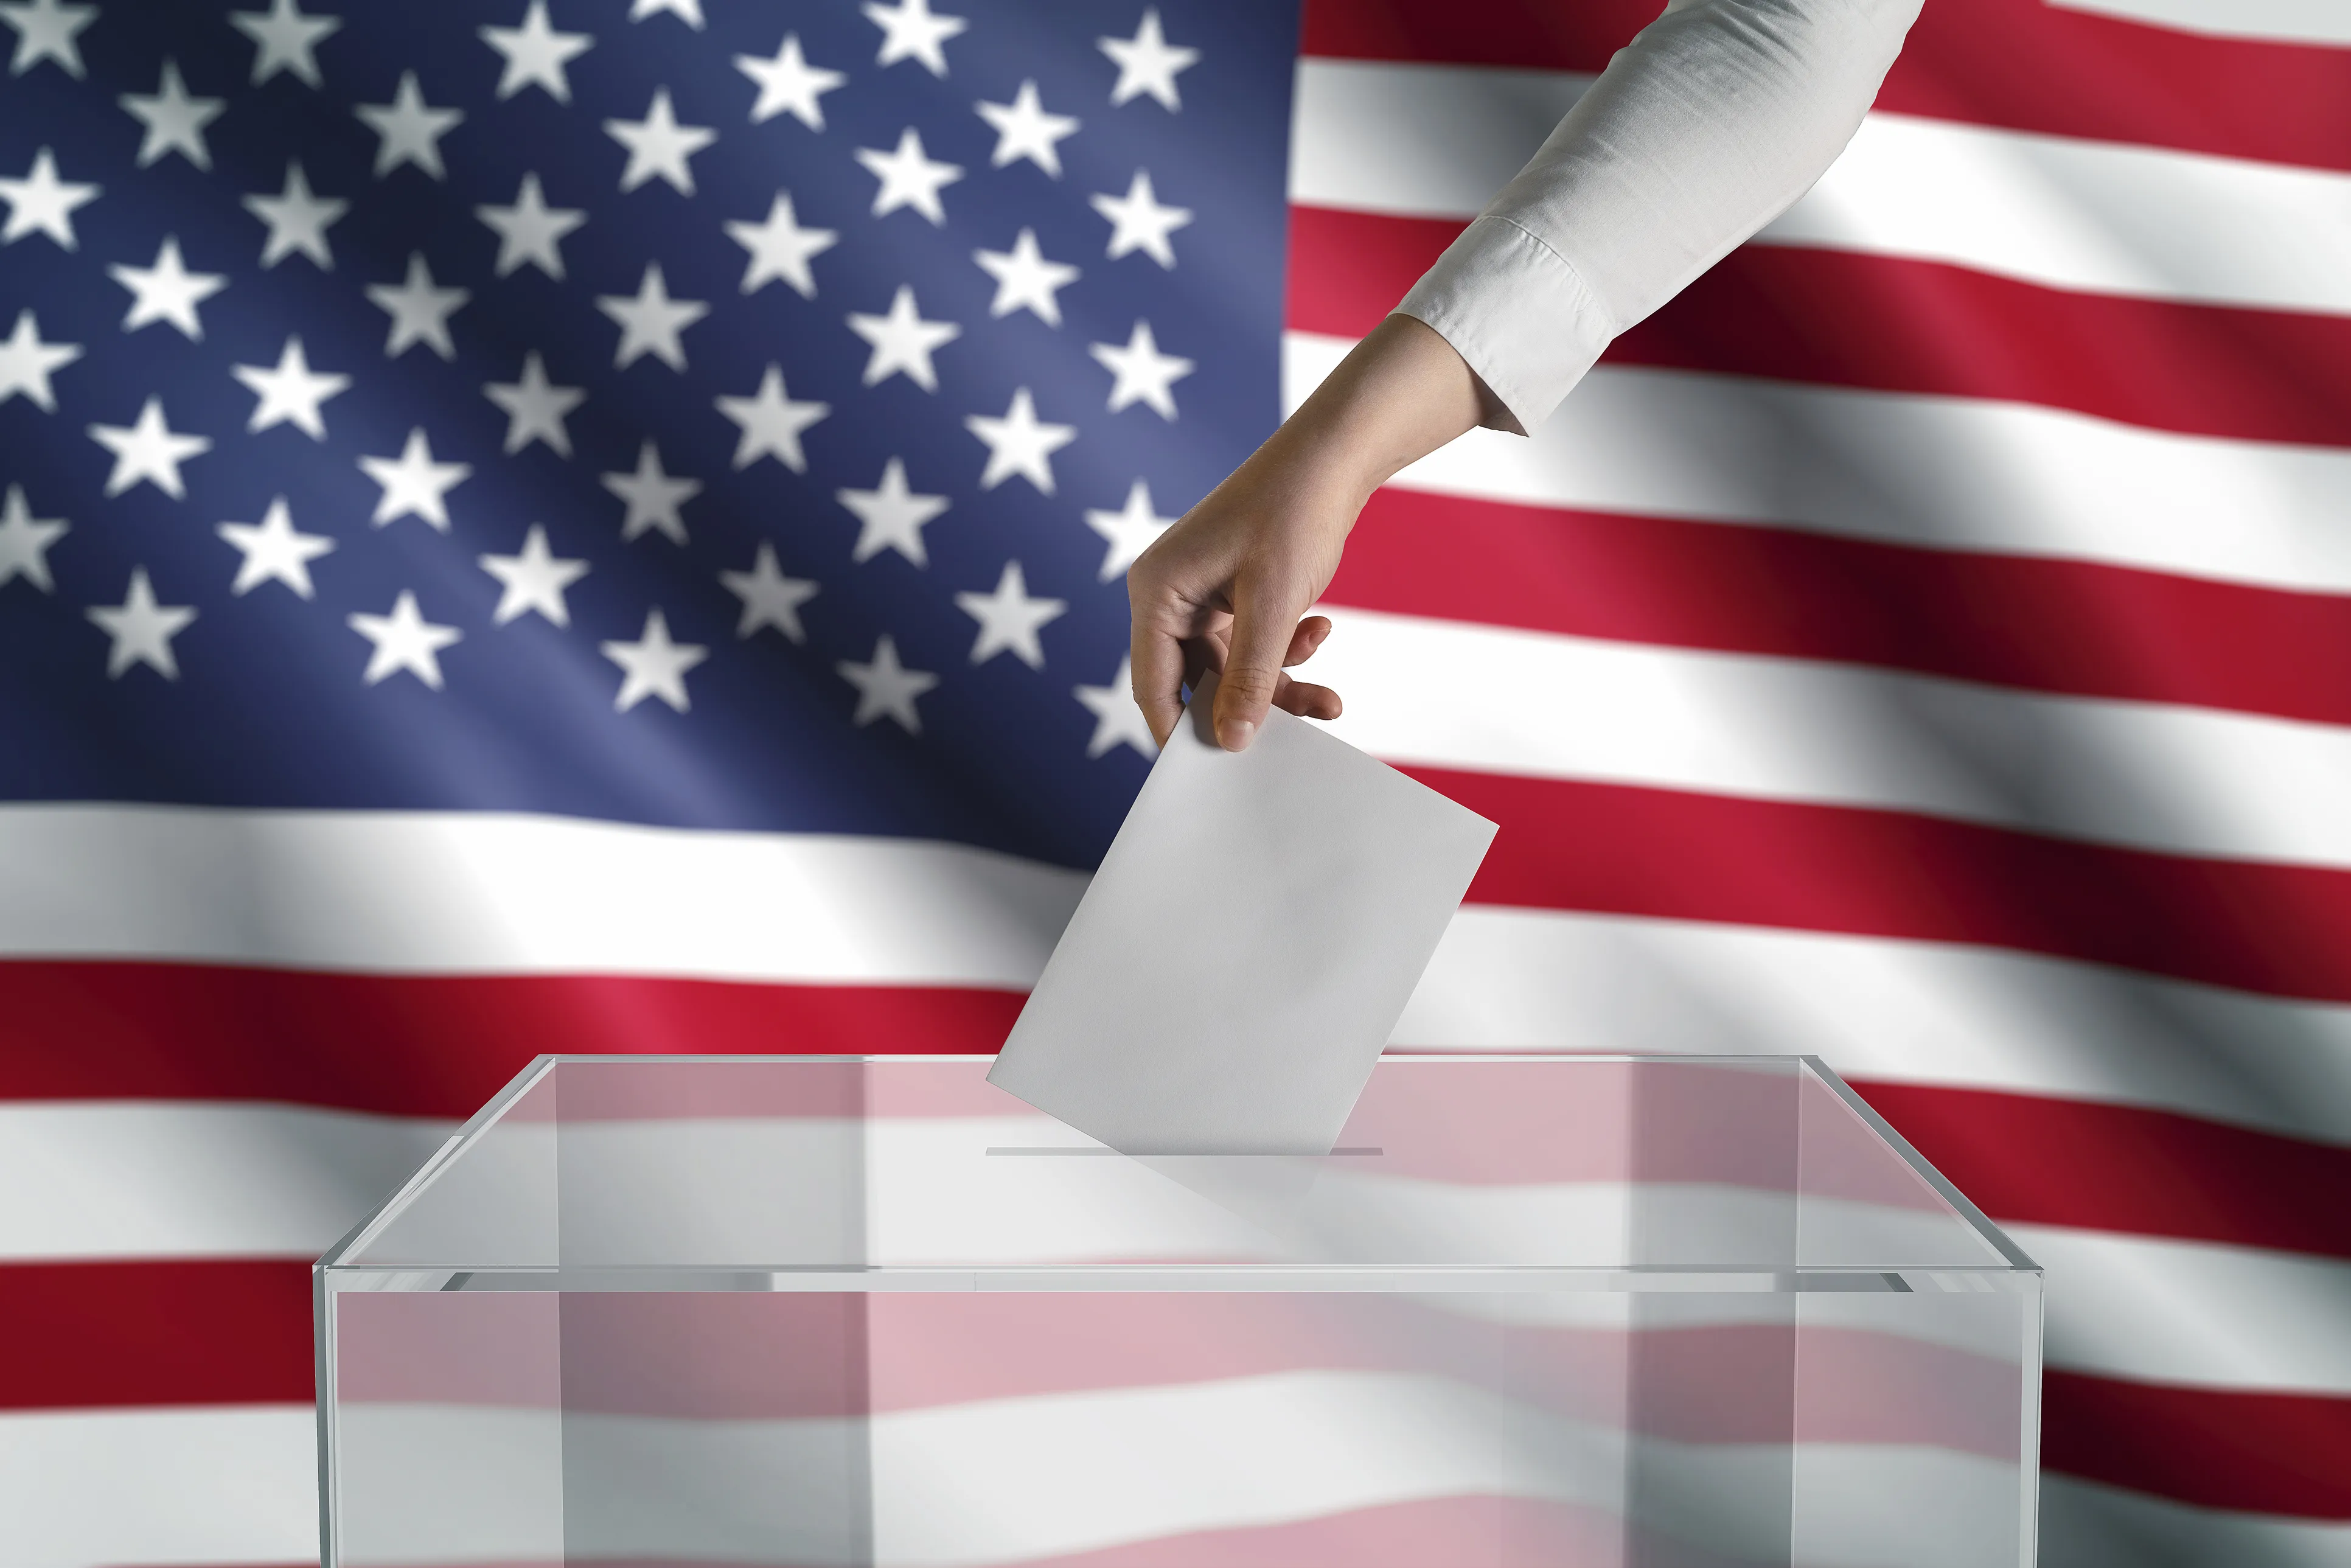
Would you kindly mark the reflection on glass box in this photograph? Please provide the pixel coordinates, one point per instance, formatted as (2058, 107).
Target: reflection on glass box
(825, 1311)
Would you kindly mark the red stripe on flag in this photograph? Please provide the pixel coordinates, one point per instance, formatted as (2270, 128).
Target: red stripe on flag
(2020, 64)
(422, 1045)
(209, 1332)
(2260, 1453)
(1563, 844)
(2044, 625)
(2038, 1161)
(1886, 324)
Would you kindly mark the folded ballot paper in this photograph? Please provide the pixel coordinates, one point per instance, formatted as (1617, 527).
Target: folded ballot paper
(1238, 961)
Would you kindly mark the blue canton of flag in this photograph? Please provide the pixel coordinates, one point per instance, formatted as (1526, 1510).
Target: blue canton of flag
(679, 412)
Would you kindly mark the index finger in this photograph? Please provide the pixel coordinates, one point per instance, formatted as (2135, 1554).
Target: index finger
(1156, 675)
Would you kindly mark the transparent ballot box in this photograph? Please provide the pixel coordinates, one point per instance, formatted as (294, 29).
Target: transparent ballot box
(823, 1312)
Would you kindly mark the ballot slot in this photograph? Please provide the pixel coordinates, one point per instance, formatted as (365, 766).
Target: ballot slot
(1050, 1150)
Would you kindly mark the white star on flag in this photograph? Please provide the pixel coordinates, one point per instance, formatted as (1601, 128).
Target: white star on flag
(26, 363)
(1139, 222)
(770, 598)
(902, 343)
(148, 450)
(174, 121)
(654, 496)
(652, 665)
(649, 320)
(43, 203)
(24, 541)
(891, 516)
(167, 291)
(771, 422)
(1129, 531)
(45, 30)
(141, 629)
(1010, 619)
(911, 32)
(1024, 130)
(290, 392)
(780, 248)
(687, 11)
(1147, 63)
(885, 685)
(534, 408)
(420, 312)
(272, 551)
(788, 84)
(659, 145)
(404, 640)
(413, 484)
(531, 231)
(1025, 280)
(1140, 372)
(908, 178)
(1019, 443)
(1117, 721)
(533, 580)
(536, 54)
(409, 131)
(298, 220)
(283, 38)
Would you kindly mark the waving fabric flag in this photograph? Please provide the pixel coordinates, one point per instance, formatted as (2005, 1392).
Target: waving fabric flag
(598, 525)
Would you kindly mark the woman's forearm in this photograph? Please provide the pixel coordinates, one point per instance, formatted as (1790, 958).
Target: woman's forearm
(1398, 395)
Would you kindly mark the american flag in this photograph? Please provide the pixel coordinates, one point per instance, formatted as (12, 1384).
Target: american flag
(597, 525)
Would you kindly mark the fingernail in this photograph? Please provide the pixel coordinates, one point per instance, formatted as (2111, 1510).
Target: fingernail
(1236, 734)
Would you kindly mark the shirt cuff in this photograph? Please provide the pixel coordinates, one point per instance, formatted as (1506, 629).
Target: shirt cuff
(1520, 316)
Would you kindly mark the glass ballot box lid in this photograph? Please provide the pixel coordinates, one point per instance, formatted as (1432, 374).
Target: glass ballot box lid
(849, 1310)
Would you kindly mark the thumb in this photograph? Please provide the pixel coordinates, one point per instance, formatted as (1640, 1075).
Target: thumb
(1263, 621)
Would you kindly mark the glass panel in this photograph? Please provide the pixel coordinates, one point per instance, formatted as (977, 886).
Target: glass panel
(490, 1197)
(444, 1413)
(1530, 1311)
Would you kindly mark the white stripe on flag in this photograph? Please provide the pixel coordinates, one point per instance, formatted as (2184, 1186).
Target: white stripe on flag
(2274, 21)
(2175, 779)
(1945, 473)
(236, 1485)
(1375, 136)
(478, 893)
(1876, 1007)
(2105, 217)
(2191, 1314)
(128, 1179)
(2085, 1525)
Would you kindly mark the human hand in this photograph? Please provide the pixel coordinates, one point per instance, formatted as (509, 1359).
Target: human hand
(1227, 587)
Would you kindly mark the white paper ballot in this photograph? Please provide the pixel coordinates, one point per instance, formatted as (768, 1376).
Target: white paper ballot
(1238, 961)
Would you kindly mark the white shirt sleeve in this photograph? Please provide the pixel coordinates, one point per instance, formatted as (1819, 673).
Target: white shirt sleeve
(1703, 129)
